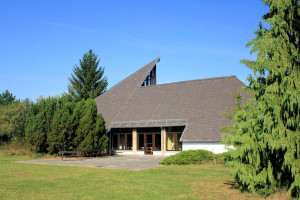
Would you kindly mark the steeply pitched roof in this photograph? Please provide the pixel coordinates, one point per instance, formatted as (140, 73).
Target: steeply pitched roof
(111, 102)
(198, 104)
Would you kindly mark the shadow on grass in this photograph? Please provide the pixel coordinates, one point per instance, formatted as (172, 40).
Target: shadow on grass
(232, 184)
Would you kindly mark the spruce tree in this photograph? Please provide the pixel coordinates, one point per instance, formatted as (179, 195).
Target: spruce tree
(7, 98)
(266, 131)
(87, 80)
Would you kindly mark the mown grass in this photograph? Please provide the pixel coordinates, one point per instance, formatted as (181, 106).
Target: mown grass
(34, 181)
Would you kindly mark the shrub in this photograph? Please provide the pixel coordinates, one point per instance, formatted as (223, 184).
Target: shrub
(16, 147)
(189, 157)
(223, 158)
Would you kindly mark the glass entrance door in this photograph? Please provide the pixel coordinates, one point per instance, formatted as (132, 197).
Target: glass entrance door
(148, 144)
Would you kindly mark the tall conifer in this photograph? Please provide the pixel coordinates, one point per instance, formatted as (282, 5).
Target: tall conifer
(7, 98)
(87, 80)
(266, 131)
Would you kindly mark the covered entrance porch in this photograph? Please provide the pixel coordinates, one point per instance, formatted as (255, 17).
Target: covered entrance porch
(149, 141)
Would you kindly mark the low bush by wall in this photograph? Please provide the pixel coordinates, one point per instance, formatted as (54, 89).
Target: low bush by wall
(189, 157)
(196, 157)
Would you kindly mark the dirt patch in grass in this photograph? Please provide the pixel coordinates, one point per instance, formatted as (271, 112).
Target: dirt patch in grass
(281, 195)
(220, 191)
(227, 190)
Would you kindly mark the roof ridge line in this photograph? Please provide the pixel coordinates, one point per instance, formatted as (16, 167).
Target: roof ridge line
(205, 79)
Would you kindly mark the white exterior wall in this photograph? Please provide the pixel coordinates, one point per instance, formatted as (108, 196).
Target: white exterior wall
(169, 153)
(157, 153)
(212, 146)
(140, 152)
(124, 152)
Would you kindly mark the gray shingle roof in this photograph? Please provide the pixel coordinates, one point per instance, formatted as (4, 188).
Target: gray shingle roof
(198, 104)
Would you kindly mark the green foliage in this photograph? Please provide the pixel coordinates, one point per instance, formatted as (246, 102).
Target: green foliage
(16, 146)
(62, 126)
(7, 98)
(223, 157)
(40, 117)
(56, 124)
(87, 80)
(232, 111)
(12, 117)
(266, 131)
(90, 125)
(11, 120)
(189, 157)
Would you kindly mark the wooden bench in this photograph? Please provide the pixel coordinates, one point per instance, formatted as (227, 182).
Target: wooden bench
(70, 154)
(92, 153)
(78, 154)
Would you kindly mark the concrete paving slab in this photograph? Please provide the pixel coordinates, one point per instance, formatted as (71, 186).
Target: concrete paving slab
(113, 162)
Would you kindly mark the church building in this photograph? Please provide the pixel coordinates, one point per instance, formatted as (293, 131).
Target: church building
(143, 117)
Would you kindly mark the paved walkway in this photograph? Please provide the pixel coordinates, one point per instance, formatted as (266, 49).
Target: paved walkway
(113, 162)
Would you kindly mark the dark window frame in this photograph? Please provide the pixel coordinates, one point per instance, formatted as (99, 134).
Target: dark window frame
(118, 140)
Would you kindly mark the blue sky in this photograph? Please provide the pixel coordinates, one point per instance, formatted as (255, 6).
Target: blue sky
(41, 41)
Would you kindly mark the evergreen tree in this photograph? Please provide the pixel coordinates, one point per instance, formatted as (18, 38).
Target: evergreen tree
(7, 98)
(230, 127)
(55, 124)
(63, 127)
(266, 131)
(91, 132)
(87, 81)
(38, 124)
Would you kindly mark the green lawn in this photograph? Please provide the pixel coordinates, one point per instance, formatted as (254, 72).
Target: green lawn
(33, 181)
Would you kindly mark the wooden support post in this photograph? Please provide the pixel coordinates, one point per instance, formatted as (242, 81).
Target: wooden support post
(153, 142)
(163, 140)
(134, 140)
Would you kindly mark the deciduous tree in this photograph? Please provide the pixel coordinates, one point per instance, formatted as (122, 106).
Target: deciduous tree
(12, 117)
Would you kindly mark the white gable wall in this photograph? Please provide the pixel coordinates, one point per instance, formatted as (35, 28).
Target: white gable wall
(211, 146)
